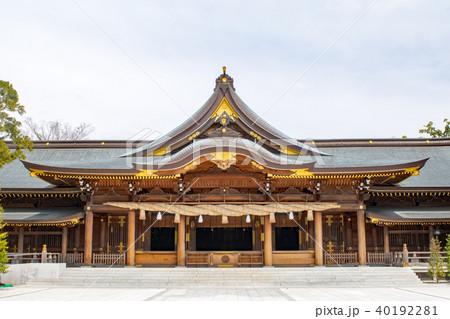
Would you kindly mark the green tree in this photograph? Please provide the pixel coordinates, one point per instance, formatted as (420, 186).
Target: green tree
(12, 144)
(435, 263)
(3, 247)
(436, 133)
(10, 127)
(447, 253)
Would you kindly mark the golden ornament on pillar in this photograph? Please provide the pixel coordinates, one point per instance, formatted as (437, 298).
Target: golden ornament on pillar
(121, 248)
(121, 221)
(330, 247)
(329, 220)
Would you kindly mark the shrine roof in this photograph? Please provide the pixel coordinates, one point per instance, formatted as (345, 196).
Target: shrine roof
(386, 215)
(223, 109)
(42, 216)
(435, 172)
(226, 125)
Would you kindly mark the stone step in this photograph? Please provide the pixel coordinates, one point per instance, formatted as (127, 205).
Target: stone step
(241, 280)
(240, 270)
(230, 271)
(319, 278)
(163, 269)
(235, 274)
(235, 277)
(222, 284)
(350, 279)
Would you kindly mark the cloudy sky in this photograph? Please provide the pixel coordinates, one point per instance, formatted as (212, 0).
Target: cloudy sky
(314, 69)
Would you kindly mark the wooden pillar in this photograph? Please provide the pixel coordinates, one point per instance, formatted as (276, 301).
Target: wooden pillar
(20, 241)
(318, 238)
(121, 233)
(131, 238)
(374, 237)
(89, 228)
(386, 239)
(349, 236)
(181, 245)
(64, 240)
(35, 246)
(362, 248)
(311, 235)
(430, 235)
(102, 234)
(77, 237)
(267, 241)
(192, 234)
(257, 231)
(344, 233)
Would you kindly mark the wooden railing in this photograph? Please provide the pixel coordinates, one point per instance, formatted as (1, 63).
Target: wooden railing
(197, 259)
(336, 259)
(251, 259)
(377, 258)
(108, 259)
(73, 259)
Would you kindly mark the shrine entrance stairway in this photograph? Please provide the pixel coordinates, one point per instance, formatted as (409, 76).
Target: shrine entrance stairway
(233, 277)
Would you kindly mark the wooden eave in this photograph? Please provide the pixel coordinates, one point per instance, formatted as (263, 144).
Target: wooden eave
(380, 191)
(64, 221)
(41, 192)
(183, 163)
(40, 168)
(382, 220)
(373, 169)
(381, 175)
(67, 176)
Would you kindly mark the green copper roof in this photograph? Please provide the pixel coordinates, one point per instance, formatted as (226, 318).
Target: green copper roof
(435, 173)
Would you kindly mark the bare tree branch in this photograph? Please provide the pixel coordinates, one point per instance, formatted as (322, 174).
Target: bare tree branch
(56, 130)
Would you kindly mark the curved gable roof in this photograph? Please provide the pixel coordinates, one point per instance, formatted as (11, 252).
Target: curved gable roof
(214, 111)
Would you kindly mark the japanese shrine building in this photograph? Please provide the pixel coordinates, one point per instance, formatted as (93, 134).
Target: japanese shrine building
(225, 188)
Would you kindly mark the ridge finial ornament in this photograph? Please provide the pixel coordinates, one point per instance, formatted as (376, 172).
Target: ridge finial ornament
(224, 68)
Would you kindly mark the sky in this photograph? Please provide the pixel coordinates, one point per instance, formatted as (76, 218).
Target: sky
(313, 69)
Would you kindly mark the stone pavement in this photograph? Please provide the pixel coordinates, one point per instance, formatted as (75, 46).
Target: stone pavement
(440, 292)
